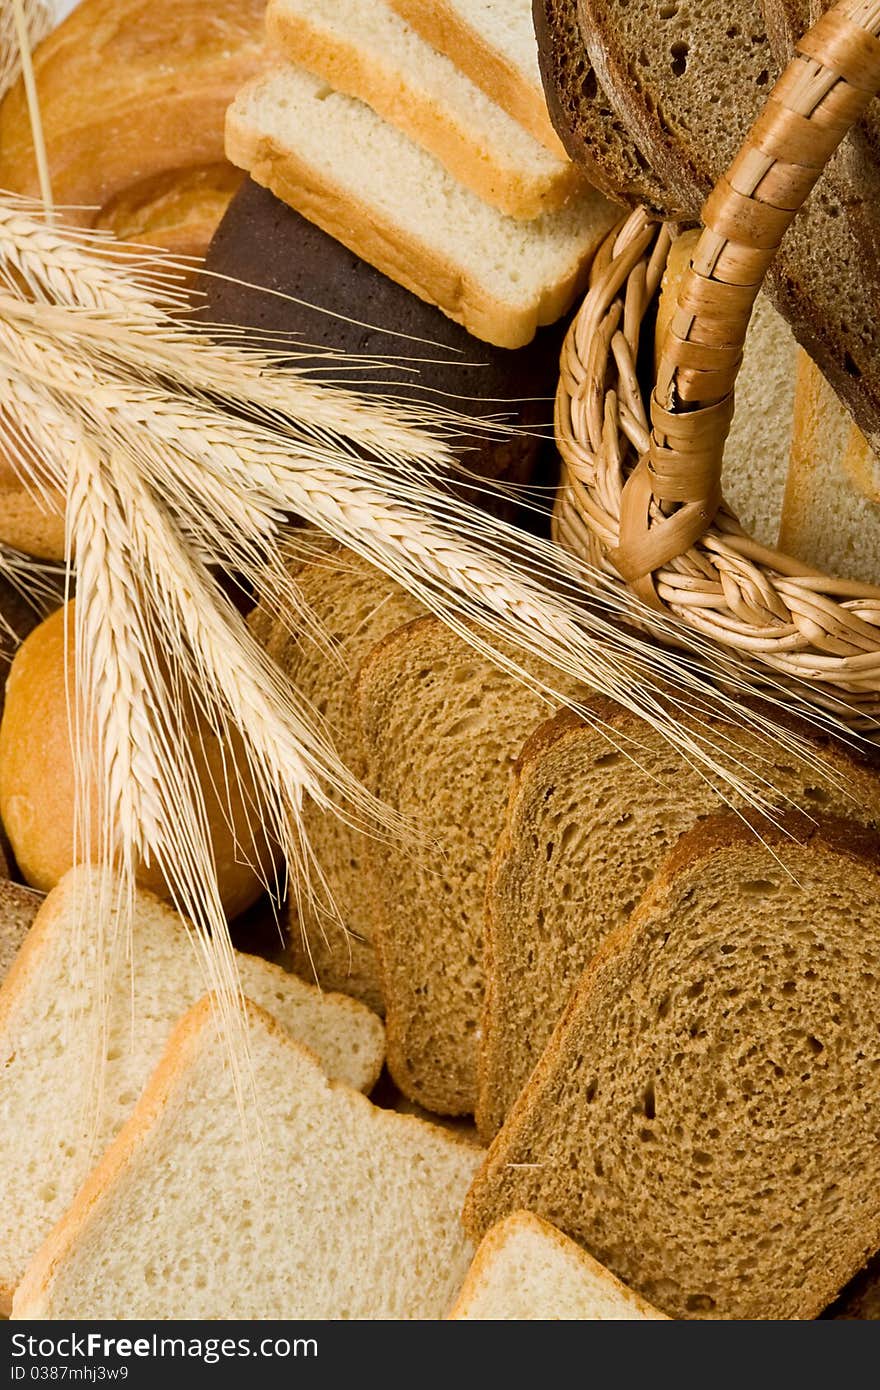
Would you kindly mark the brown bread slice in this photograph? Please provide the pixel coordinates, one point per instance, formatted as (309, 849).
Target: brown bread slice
(704, 1117)
(18, 908)
(789, 20)
(587, 826)
(356, 605)
(442, 728)
(688, 84)
(586, 122)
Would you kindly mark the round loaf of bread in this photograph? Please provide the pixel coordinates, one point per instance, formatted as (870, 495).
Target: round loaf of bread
(37, 777)
(133, 95)
(326, 299)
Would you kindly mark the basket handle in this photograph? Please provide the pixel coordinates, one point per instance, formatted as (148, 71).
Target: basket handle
(671, 497)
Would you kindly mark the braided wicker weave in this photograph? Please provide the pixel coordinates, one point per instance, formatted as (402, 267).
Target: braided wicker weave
(642, 499)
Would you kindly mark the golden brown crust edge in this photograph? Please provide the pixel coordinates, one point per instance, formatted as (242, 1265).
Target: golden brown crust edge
(485, 67)
(492, 178)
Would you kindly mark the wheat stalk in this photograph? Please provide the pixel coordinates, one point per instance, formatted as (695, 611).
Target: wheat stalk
(37, 18)
(178, 452)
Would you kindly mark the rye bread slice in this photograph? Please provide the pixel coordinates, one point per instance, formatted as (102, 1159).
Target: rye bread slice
(585, 120)
(689, 84)
(18, 908)
(442, 728)
(356, 606)
(787, 21)
(588, 823)
(704, 1117)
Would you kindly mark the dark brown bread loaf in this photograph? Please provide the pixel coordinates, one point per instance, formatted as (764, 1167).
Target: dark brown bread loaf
(343, 305)
(704, 1117)
(688, 85)
(587, 124)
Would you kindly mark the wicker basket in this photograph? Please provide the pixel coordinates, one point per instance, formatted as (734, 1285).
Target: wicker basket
(642, 500)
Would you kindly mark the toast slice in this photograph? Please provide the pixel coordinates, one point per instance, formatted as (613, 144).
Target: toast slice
(366, 50)
(339, 164)
(356, 605)
(527, 1271)
(18, 908)
(356, 1216)
(688, 84)
(52, 1023)
(756, 454)
(442, 728)
(703, 1118)
(831, 508)
(585, 120)
(495, 46)
(588, 824)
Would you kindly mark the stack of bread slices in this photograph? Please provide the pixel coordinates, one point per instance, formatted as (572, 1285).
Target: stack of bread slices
(418, 136)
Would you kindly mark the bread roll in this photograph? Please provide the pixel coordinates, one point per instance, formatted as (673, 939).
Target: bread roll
(37, 777)
(133, 95)
(130, 89)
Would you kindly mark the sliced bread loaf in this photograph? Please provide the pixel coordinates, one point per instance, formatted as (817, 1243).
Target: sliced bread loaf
(526, 1270)
(442, 729)
(756, 454)
(688, 82)
(365, 49)
(831, 511)
(339, 164)
(356, 606)
(52, 1023)
(357, 1215)
(704, 1117)
(18, 908)
(495, 45)
(593, 810)
(587, 123)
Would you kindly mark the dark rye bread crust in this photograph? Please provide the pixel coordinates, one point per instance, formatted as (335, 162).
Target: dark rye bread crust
(266, 244)
(688, 89)
(583, 117)
(538, 1161)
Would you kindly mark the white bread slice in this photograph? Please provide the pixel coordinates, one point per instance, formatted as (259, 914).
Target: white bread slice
(356, 1216)
(340, 165)
(493, 41)
(757, 451)
(831, 511)
(49, 1019)
(525, 1270)
(362, 48)
(18, 908)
